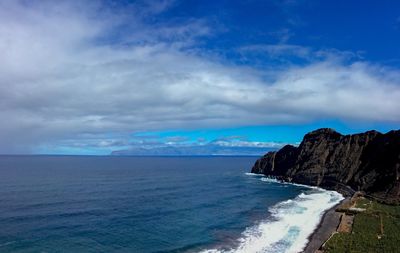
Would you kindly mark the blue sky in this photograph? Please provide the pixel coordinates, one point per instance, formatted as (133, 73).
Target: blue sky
(94, 77)
(366, 28)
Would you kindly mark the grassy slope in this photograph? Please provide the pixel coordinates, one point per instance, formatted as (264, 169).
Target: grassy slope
(376, 230)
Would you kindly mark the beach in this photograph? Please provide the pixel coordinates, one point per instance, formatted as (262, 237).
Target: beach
(328, 225)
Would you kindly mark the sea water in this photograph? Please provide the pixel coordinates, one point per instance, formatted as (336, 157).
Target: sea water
(152, 204)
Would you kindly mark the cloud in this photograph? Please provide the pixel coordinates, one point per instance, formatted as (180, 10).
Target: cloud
(231, 145)
(170, 145)
(177, 139)
(244, 143)
(69, 71)
(203, 150)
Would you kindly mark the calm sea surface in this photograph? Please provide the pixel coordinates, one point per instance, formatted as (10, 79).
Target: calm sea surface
(147, 204)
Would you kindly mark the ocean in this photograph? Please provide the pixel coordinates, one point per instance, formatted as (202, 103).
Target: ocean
(152, 204)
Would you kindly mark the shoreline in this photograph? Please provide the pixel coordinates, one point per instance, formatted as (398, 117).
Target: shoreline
(326, 227)
(328, 224)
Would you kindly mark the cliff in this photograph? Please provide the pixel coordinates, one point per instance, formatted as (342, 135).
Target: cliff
(368, 162)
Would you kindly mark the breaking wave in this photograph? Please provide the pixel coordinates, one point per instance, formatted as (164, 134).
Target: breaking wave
(290, 224)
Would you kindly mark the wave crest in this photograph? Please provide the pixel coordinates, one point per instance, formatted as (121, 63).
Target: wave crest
(289, 225)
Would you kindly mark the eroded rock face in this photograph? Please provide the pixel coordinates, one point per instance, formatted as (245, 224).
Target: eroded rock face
(368, 162)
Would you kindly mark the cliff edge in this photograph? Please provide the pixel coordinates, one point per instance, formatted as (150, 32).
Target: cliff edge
(368, 162)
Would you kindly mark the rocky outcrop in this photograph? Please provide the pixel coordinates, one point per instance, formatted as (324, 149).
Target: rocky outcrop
(368, 162)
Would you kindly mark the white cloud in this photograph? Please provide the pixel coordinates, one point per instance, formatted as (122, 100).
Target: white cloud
(63, 77)
(243, 143)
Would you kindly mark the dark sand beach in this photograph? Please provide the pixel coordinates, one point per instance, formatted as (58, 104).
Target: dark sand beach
(328, 225)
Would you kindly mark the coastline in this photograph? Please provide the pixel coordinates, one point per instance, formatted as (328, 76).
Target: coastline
(328, 223)
(327, 226)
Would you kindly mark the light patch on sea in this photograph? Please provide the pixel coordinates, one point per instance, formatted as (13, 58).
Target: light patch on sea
(290, 224)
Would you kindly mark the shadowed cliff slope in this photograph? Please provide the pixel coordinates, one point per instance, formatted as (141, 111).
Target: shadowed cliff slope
(368, 162)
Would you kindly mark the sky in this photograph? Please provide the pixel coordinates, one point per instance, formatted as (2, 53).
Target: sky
(93, 77)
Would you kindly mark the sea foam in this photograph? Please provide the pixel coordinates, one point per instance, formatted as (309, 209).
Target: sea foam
(254, 174)
(290, 224)
(270, 180)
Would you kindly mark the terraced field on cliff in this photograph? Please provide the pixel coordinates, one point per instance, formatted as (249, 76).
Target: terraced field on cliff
(375, 230)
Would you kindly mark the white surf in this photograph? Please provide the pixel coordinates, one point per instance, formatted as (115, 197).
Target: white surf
(288, 227)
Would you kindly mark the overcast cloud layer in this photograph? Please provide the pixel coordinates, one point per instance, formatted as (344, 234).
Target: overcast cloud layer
(81, 72)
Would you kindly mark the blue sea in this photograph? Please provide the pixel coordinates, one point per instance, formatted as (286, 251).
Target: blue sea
(152, 204)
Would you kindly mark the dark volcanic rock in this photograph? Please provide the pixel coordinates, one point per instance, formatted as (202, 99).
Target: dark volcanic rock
(368, 162)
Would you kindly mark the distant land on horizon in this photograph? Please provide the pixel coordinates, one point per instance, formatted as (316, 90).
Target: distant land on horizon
(200, 150)
(211, 149)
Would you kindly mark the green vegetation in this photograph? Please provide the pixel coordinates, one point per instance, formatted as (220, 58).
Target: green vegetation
(375, 230)
(363, 203)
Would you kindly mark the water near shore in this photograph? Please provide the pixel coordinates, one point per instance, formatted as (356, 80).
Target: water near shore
(151, 204)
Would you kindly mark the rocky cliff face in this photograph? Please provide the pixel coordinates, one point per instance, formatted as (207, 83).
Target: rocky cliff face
(368, 162)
